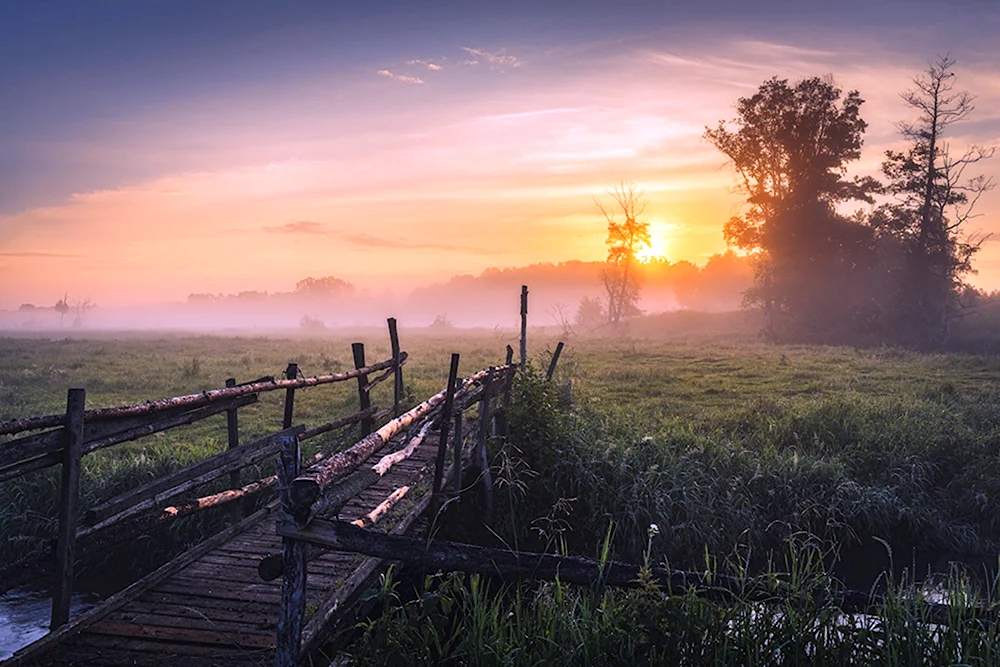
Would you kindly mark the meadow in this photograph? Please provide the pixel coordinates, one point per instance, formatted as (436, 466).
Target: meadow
(834, 464)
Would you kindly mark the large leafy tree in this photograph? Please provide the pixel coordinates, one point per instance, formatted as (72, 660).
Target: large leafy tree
(790, 145)
(934, 198)
(627, 235)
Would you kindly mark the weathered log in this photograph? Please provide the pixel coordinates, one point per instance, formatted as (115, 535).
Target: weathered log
(386, 462)
(191, 400)
(35, 452)
(382, 508)
(381, 378)
(148, 495)
(308, 487)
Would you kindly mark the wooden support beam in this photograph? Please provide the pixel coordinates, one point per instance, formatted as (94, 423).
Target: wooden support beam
(443, 424)
(69, 508)
(456, 489)
(364, 398)
(481, 437)
(397, 367)
(555, 360)
(291, 373)
(524, 327)
(293, 561)
(233, 440)
(338, 423)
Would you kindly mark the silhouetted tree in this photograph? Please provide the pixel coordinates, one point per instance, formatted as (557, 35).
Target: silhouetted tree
(934, 198)
(789, 146)
(625, 239)
(322, 287)
(62, 307)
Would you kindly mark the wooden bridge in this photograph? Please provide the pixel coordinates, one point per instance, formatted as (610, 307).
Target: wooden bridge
(256, 592)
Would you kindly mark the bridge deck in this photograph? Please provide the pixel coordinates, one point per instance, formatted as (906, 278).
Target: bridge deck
(212, 608)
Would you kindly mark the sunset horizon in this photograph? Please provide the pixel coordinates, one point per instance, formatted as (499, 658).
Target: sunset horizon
(161, 150)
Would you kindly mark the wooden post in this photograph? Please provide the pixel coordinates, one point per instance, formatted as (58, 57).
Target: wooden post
(457, 457)
(555, 360)
(293, 563)
(69, 508)
(233, 432)
(524, 327)
(445, 422)
(397, 390)
(291, 373)
(480, 457)
(364, 398)
(501, 419)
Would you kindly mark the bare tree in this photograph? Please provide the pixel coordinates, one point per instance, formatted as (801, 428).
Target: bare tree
(935, 198)
(62, 307)
(626, 237)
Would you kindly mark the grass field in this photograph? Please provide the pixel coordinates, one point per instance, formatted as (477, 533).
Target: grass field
(746, 455)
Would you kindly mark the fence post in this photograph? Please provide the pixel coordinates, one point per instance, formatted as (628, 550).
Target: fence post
(69, 507)
(364, 398)
(501, 420)
(456, 491)
(524, 327)
(445, 422)
(397, 390)
(291, 373)
(555, 360)
(233, 432)
(293, 563)
(484, 466)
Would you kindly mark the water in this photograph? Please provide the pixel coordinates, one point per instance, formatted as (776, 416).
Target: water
(25, 614)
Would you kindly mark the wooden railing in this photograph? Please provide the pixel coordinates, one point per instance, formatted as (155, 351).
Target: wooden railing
(77, 432)
(309, 496)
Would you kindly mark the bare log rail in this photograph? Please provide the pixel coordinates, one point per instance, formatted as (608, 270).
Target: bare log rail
(193, 400)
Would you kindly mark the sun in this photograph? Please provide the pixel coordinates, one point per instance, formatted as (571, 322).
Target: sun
(657, 249)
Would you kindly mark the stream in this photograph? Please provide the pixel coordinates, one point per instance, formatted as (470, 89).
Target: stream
(25, 612)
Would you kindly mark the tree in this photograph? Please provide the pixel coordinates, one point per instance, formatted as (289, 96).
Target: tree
(789, 146)
(625, 239)
(62, 307)
(934, 199)
(323, 287)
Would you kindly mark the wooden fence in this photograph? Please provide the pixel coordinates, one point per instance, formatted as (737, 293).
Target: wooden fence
(64, 439)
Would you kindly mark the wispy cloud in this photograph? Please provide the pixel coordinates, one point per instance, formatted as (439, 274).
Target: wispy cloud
(24, 255)
(298, 227)
(369, 241)
(494, 58)
(433, 66)
(403, 78)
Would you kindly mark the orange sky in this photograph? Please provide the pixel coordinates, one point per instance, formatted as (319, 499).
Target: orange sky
(422, 173)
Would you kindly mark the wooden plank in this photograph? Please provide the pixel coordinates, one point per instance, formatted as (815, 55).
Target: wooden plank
(84, 620)
(524, 328)
(238, 625)
(181, 634)
(69, 508)
(148, 495)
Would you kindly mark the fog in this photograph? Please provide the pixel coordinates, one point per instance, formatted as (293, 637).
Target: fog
(488, 300)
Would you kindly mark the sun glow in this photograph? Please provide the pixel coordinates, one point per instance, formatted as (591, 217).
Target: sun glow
(658, 242)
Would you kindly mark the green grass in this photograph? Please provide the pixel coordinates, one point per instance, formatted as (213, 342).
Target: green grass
(738, 450)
